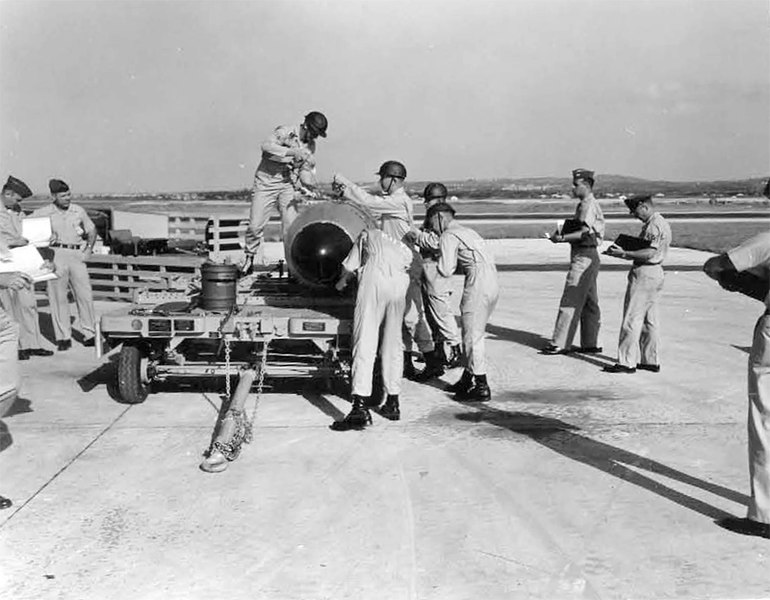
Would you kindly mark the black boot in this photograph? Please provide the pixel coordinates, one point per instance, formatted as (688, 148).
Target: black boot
(409, 371)
(390, 410)
(358, 418)
(455, 357)
(463, 385)
(478, 393)
(434, 366)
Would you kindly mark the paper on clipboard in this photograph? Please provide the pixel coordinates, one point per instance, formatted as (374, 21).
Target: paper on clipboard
(37, 230)
(27, 260)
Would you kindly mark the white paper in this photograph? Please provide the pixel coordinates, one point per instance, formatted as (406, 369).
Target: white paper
(27, 260)
(37, 230)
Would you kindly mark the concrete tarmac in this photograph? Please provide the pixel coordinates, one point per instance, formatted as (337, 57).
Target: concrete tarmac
(571, 483)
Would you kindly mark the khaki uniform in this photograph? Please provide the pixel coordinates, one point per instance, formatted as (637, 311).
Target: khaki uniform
(480, 291)
(580, 299)
(754, 255)
(69, 226)
(10, 378)
(21, 304)
(639, 332)
(382, 263)
(276, 183)
(395, 215)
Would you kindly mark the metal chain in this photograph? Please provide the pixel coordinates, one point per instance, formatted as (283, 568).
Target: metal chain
(227, 369)
(249, 425)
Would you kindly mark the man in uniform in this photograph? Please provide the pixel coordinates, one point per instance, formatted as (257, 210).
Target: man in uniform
(580, 298)
(382, 263)
(752, 257)
(461, 245)
(396, 218)
(20, 303)
(69, 223)
(286, 169)
(639, 332)
(436, 293)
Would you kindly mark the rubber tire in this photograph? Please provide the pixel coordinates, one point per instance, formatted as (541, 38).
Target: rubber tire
(130, 386)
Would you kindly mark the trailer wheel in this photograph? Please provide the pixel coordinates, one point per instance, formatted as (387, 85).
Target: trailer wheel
(133, 383)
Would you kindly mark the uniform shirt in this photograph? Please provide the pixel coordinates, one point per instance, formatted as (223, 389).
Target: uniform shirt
(377, 250)
(461, 245)
(657, 231)
(275, 162)
(394, 211)
(590, 214)
(68, 225)
(753, 256)
(10, 227)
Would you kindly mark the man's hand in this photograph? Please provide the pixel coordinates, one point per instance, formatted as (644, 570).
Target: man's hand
(14, 281)
(616, 251)
(299, 154)
(556, 237)
(87, 253)
(410, 237)
(49, 266)
(342, 283)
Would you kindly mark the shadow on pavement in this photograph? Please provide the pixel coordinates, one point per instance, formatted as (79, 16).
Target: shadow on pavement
(563, 438)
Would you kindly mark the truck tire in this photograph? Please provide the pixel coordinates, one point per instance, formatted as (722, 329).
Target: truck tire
(130, 386)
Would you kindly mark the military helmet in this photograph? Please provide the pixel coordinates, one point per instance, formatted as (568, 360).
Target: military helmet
(392, 168)
(316, 122)
(434, 191)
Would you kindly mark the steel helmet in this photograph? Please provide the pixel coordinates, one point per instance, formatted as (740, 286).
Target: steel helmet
(392, 168)
(434, 191)
(316, 122)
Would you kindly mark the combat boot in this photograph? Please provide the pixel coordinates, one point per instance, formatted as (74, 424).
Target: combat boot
(455, 357)
(434, 366)
(409, 371)
(463, 385)
(390, 410)
(358, 418)
(480, 391)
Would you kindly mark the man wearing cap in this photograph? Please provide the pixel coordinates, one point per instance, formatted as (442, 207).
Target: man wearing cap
(459, 244)
(752, 258)
(638, 347)
(20, 303)
(580, 299)
(436, 293)
(286, 169)
(394, 211)
(69, 223)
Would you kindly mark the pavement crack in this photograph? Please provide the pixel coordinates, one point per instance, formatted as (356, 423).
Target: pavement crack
(65, 467)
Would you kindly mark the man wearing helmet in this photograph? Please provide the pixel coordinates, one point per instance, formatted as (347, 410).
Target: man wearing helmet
(287, 168)
(396, 217)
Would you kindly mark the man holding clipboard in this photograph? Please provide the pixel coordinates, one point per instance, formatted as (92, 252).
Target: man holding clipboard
(639, 333)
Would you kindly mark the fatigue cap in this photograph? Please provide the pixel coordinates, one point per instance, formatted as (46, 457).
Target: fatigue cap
(441, 207)
(633, 201)
(583, 174)
(17, 185)
(57, 186)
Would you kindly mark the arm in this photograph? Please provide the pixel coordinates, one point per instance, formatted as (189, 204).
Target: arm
(447, 262)
(90, 229)
(352, 262)
(428, 240)
(278, 147)
(8, 234)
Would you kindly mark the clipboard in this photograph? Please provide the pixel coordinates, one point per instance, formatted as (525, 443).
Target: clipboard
(27, 260)
(629, 243)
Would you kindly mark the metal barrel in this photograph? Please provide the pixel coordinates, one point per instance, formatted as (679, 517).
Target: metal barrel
(218, 286)
(320, 238)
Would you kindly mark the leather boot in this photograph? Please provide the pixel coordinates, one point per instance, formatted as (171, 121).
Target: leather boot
(390, 410)
(434, 366)
(480, 391)
(455, 357)
(358, 418)
(463, 385)
(409, 371)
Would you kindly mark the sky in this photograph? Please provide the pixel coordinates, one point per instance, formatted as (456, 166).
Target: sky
(169, 95)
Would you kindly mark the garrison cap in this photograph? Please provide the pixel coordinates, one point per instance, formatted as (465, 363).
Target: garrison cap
(441, 207)
(57, 186)
(18, 186)
(633, 201)
(583, 174)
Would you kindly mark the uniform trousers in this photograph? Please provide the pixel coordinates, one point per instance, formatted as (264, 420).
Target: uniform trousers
(437, 292)
(377, 320)
(10, 378)
(268, 196)
(21, 304)
(479, 300)
(72, 274)
(759, 421)
(639, 332)
(579, 301)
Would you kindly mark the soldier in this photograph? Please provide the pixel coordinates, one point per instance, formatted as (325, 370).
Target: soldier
(580, 298)
(69, 223)
(480, 292)
(645, 282)
(396, 216)
(287, 167)
(752, 257)
(436, 293)
(20, 303)
(382, 263)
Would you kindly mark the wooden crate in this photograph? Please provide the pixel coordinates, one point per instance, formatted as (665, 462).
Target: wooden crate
(116, 277)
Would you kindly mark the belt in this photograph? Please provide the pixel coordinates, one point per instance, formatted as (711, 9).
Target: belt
(70, 246)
